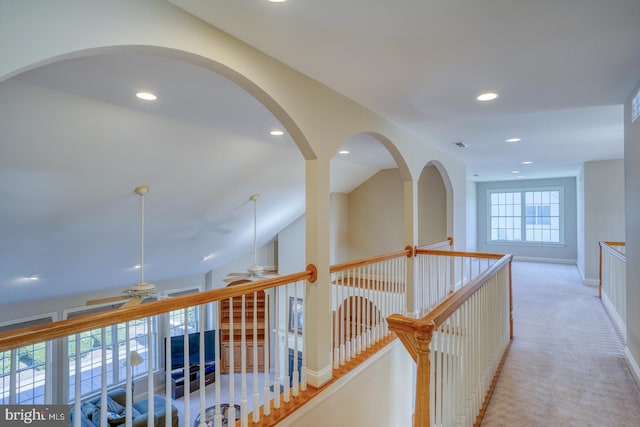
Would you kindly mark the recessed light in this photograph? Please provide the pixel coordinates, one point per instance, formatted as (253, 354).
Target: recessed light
(343, 152)
(146, 96)
(137, 267)
(207, 258)
(488, 96)
(527, 162)
(513, 140)
(276, 133)
(277, 1)
(515, 172)
(520, 176)
(33, 277)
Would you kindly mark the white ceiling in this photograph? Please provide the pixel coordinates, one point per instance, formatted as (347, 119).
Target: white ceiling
(562, 69)
(75, 143)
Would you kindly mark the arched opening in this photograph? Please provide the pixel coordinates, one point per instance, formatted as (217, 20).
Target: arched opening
(435, 214)
(367, 179)
(356, 316)
(78, 141)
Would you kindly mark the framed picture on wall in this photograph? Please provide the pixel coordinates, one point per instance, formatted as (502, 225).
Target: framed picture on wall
(296, 315)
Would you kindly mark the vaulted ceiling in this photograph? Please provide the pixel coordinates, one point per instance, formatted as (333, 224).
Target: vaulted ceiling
(74, 138)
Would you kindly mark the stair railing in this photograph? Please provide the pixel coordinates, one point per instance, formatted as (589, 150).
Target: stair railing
(264, 396)
(363, 293)
(613, 283)
(460, 345)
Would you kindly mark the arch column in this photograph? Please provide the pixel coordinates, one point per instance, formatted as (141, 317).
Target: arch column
(317, 338)
(410, 236)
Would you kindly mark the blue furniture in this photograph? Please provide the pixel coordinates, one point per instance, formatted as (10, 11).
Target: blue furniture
(116, 399)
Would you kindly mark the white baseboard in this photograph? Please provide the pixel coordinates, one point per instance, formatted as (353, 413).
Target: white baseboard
(318, 378)
(633, 365)
(549, 260)
(591, 282)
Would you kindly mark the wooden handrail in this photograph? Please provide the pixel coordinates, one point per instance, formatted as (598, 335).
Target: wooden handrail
(615, 243)
(448, 241)
(439, 315)
(64, 328)
(482, 255)
(416, 334)
(408, 252)
(614, 251)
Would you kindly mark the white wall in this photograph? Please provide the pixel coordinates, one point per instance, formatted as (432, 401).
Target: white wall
(375, 215)
(291, 244)
(380, 393)
(580, 255)
(632, 211)
(472, 217)
(432, 207)
(339, 226)
(604, 217)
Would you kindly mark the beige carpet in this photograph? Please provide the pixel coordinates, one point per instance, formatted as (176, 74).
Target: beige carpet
(566, 365)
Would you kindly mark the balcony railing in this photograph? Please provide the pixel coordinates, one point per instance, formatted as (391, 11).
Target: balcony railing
(613, 283)
(363, 294)
(460, 345)
(259, 367)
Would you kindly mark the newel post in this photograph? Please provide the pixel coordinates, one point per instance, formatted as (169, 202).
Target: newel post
(421, 417)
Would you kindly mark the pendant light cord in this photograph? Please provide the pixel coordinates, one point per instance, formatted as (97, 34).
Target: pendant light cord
(255, 234)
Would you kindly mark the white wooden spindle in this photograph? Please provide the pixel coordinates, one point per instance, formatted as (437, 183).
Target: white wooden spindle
(77, 391)
(129, 379)
(231, 414)
(295, 373)
(256, 394)
(217, 417)
(167, 371)
(342, 318)
(243, 364)
(267, 365)
(303, 373)
(285, 356)
(150, 387)
(103, 377)
(186, 369)
(276, 346)
(202, 366)
(335, 297)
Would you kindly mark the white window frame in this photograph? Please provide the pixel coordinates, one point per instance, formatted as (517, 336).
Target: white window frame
(118, 373)
(48, 363)
(523, 227)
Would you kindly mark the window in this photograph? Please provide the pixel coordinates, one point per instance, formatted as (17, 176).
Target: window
(24, 371)
(114, 339)
(115, 342)
(527, 216)
(177, 322)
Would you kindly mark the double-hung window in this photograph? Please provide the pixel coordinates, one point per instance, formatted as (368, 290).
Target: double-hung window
(88, 347)
(25, 371)
(526, 216)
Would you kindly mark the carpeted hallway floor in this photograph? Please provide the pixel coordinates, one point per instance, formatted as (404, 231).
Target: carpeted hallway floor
(566, 365)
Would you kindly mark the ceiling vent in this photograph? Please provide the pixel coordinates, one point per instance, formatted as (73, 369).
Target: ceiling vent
(460, 144)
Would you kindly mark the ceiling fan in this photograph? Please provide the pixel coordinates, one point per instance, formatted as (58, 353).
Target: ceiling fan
(142, 290)
(255, 272)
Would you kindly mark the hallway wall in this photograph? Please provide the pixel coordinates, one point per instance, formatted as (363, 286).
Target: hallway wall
(632, 211)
